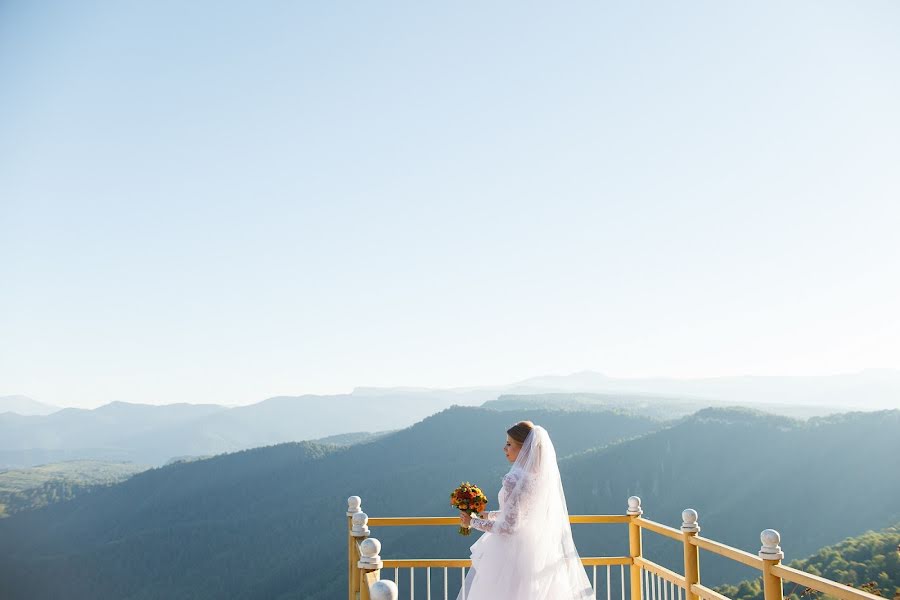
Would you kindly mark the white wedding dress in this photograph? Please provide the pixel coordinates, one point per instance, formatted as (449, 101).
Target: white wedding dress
(527, 551)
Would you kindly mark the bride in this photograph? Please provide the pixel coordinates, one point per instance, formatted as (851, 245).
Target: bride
(527, 552)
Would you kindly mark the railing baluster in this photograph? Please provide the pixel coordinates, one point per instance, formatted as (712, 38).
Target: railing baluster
(428, 583)
(412, 583)
(622, 573)
(645, 578)
(397, 576)
(463, 571)
(445, 584)
(608, 583)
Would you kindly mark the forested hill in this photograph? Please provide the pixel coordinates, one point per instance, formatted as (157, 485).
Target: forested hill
(870, 561)
(27, 489)
(650, 405)
(269, 523)
(816, 482)
(656, 406)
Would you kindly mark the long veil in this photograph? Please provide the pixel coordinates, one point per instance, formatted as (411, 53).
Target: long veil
(531, 555)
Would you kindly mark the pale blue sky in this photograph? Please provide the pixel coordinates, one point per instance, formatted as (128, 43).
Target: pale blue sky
(222, 201)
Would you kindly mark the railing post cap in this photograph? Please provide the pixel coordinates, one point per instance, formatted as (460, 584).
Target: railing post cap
(360, 527)
(353, 505)
(634, 506)
(383, 589)
(369, 548)
(689, 521)
(770, 549)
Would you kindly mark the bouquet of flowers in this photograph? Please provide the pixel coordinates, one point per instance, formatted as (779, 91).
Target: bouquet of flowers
(469, 499)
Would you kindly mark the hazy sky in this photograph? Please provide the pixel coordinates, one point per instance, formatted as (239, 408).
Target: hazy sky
(223, 201)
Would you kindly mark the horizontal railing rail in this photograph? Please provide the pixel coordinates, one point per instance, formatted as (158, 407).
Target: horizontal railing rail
(407, 563)
(706, 593)
(820, 584)
(728, 552)
(659, 528)
(661, 571)
(454, 521)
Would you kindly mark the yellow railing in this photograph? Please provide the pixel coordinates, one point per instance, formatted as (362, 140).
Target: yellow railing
(647, 580)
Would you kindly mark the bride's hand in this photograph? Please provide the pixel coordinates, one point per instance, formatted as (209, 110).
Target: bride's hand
(465, 519)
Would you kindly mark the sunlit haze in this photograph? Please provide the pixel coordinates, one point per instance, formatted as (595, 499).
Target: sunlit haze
(222, 202)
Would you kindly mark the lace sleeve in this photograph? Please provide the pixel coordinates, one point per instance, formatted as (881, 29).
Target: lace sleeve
(485, 522)
(505, 521)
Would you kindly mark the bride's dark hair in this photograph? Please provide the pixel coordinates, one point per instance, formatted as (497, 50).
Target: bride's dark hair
(520, 431)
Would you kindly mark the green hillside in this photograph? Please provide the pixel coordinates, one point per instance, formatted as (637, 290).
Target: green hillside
(349, 439)
(870, 561)
(655, 406)
(27, 489)
(814, 481)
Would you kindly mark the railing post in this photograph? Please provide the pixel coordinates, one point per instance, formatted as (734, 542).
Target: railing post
(689, 529)
(634, 544)
(353, 508)
(369, 562)
(359, 531)
(771, 554)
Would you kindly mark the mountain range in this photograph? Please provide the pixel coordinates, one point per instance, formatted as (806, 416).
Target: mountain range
(870, 389)
(23, 405)
(268, 523)
(152, 434)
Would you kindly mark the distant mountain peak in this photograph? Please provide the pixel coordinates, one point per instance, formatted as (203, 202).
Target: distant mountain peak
(23, 405)
(384, 391)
